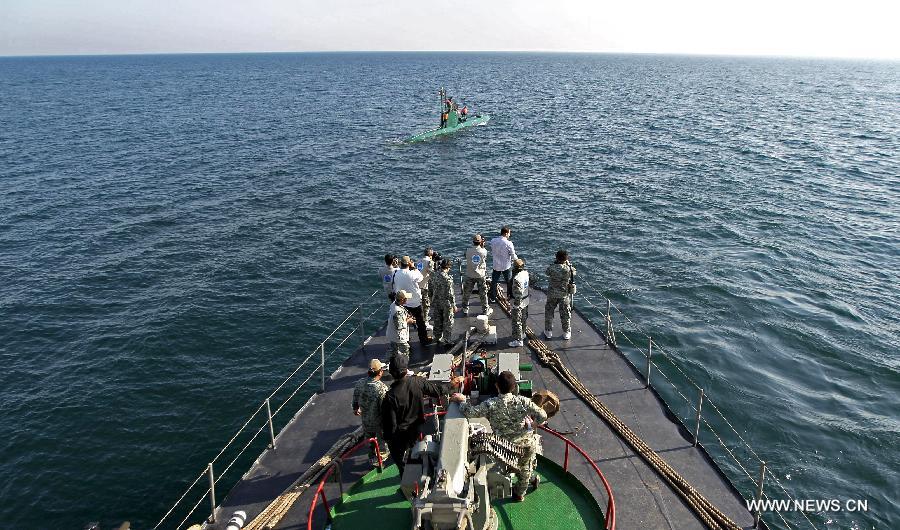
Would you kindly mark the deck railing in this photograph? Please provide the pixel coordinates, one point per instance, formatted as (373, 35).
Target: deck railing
(605, 315)
(338, 465)
(262, 418)
(610, 500)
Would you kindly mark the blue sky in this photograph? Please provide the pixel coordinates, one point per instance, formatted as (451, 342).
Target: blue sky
(862, 28)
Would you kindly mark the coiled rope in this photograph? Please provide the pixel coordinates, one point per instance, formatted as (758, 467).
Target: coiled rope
(711, 516)
(274, 512)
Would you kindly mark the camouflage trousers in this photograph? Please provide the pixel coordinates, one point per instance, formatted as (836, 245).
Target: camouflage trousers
(426, 305)
(470, 283)
(398, 347)
(374, 431)
(443, 323)
(531, 447)
(519, 321)
(565, 312)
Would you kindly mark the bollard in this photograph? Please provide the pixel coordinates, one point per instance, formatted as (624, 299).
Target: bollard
(697, 428)
(759, 492)
(322, 366)
(212, 494)
(271, 427)
(649, 363)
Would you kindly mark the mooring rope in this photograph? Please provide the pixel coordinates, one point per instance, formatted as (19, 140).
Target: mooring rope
(711, 516)
(278, 508)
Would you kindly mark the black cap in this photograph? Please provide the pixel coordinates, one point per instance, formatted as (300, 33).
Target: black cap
(399, 364)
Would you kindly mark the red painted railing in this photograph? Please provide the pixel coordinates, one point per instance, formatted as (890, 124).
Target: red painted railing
(611, 503)
(320, 491)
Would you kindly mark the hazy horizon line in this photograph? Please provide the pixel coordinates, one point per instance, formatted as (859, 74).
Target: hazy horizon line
(520, 51)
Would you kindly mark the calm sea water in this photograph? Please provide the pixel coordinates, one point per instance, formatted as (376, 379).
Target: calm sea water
(176, 232)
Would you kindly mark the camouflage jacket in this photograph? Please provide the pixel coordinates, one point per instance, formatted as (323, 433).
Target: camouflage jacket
(506, 414)
(558, 276)
(367, 396)
(442, 289)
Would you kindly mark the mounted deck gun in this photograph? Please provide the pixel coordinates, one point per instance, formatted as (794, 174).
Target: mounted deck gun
(464, 465)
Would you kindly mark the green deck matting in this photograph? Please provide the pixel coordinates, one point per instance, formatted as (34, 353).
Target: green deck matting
(561, 502)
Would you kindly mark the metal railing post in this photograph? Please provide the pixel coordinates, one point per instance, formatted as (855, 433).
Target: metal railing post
(759, 492)
(362, 328)
(322, 366)
(271, 427)
(697, 428)
(649, 362)
(212, 493)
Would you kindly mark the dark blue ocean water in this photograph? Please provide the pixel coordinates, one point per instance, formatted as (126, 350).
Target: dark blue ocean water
(177, 232)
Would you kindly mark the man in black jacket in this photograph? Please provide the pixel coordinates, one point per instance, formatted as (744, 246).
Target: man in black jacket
(402, 410)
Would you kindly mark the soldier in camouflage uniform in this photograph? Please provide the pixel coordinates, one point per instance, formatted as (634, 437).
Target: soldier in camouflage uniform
(561, 277)
(443, 303)
(426, 267)
(507, 415)
(518, 303)
(476, 268)
(367, 396)
(398, 325)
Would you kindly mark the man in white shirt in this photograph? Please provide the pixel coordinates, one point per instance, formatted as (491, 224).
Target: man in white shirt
(387, 274)
(408, 278)
(503, 253)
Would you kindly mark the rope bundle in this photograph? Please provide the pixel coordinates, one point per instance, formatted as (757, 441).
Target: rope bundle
(711, 516)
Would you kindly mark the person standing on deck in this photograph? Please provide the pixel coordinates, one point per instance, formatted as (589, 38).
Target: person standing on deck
(509, 416)
(561, 280)
(402, 411)
(426, 267)
(367, 397)
(518, 303)
(444, 304)
(476, 269)
(408, 279)
(387, 274)
(398, 325)
(503, 253)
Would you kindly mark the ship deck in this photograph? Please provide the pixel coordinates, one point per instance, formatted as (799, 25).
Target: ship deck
(643, 499)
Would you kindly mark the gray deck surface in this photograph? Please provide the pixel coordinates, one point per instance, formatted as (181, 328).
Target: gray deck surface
(643, 499)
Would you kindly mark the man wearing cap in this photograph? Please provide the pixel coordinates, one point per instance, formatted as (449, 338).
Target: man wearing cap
(426, 267)
(444, 304)
(367, 397)
(518, 302)
(398, 325)
(510, 416)
(408, 279)
(476, 268)
(503, 253)
(402, 411)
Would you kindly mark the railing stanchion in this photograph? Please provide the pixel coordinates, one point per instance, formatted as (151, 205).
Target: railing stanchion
(322, 366)
(759, 493)
(212, 493)
(649, 362)
(271, 427)
(362, 328)
(566, 459)
(697, 428)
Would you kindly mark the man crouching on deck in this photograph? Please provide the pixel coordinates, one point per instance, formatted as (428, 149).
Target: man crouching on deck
(507, 414)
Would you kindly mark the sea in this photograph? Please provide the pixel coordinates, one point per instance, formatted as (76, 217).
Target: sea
(178, 232)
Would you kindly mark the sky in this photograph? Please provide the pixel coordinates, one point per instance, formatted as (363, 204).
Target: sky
(803, 28)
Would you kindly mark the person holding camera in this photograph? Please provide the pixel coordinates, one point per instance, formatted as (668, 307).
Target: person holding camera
(560, 289)
(408, 278)
(387, 275)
